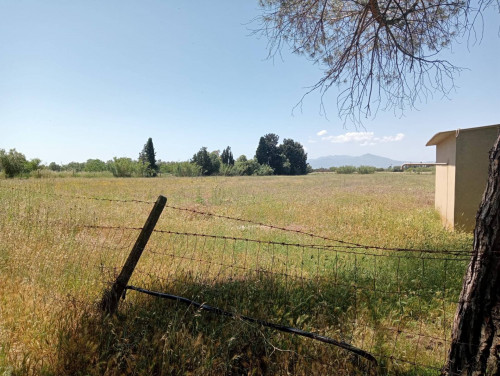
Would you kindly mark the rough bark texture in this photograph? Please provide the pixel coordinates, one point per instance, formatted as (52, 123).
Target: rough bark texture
(476, 329)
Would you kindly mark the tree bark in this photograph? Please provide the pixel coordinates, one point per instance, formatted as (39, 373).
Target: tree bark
(476, 328)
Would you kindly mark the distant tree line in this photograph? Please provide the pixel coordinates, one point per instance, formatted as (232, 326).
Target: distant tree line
(289, 158)
(371, 169)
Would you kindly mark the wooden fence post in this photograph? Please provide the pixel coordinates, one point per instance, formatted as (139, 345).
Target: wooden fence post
(111, 297)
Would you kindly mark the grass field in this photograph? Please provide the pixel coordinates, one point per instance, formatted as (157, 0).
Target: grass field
(59, 251)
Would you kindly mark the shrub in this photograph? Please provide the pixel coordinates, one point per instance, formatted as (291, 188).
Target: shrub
(53, 166)
(12, 163)
(180, 168)
(123, 167)
(263, 170)
(74, 166)
(94, 165)
(228, 170)
(346, 170)
(215, 161)
(246, 167)
(366, 170)
(397, 169)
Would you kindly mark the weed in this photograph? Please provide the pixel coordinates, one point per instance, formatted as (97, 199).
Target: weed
(53, 270)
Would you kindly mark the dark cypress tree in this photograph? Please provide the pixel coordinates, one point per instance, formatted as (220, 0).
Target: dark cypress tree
(261, 153)
(227, 157)
(148, 156)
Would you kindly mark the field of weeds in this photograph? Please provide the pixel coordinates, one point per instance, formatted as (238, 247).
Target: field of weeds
(361, 259)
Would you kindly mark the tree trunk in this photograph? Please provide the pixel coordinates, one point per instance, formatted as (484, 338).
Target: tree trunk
(476, 329)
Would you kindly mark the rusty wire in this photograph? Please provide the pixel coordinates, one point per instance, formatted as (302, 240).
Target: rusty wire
(334, 248)
(266, 256)
(255, 223)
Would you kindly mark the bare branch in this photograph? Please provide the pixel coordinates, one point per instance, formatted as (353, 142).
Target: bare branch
(378, 52)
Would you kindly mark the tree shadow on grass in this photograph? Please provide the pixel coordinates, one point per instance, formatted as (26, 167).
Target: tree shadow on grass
(159, 337)
(152, 336)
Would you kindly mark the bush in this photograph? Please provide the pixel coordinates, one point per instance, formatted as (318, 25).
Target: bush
(179, 168)
(123, 167)
(53, 166)
(246, 167)
(264, 170)
(95, 165)
(216, 162)
(346, 170)
(74, 166)
(12, 163)
(228, 170)
(33, 165)
(396, 169)
(366, 170)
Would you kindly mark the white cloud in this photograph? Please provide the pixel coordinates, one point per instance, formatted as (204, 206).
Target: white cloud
(322, 133)
(362, 138)
(397, 137)
(350, 137)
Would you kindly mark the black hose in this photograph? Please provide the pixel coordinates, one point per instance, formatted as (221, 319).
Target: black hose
(282, 328)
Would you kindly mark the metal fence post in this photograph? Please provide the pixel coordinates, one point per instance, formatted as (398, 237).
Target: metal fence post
(111, 297)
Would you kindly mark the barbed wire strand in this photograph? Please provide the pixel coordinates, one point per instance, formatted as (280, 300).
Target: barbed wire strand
(270, 258)
(315, 246)
(199, 212)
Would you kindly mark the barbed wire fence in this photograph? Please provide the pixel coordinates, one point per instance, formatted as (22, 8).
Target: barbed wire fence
(396, 304)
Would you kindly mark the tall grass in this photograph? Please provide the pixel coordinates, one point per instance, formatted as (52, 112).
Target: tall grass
(53, 271)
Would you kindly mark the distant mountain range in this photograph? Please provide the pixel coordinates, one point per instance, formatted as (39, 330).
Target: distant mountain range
(347, 160)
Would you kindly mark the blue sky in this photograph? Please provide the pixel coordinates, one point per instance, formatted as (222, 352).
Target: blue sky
(95, 79)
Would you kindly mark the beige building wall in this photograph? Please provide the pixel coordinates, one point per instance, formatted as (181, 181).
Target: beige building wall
(472, 160)
(445, 180)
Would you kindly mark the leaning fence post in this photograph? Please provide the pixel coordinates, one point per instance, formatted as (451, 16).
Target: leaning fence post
(111, 297)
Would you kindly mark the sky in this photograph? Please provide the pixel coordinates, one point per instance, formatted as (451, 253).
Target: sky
(83, 79)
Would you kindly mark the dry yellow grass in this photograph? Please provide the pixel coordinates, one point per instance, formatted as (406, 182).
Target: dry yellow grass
(52, 270)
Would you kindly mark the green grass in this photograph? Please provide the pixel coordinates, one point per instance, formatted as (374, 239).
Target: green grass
(53, 270)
